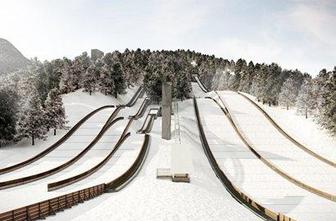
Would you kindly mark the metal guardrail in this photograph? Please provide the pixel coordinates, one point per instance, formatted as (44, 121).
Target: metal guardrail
(241, 197)
(284, 133)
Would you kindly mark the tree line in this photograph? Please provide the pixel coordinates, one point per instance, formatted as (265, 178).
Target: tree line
(273, 85)
(31, 102)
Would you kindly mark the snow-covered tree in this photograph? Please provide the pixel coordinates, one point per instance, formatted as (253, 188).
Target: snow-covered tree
(117, 76)
(31, 123)
(327, 99)
(90, 79)
(305, 102)
(105, 80)
(287, 95)
(54, 111)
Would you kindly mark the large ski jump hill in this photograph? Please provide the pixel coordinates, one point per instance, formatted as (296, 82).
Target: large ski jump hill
(243, 166)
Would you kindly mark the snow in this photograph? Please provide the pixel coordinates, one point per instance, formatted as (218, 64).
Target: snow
(306, 131)
(277, 148)
(253, 177)
(149, 198)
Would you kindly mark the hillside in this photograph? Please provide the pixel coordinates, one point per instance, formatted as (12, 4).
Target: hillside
(11, 58)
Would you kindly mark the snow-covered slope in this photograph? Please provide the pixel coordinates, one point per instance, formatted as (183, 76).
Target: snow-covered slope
(306, 131)
(11, 58)
(288, 157)
(148, 198)
(77, 105)
(253, 177)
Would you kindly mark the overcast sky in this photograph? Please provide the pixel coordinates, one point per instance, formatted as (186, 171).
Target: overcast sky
(294, 33)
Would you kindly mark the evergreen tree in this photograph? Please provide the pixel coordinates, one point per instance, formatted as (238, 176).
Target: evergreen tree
(304, 101)
(31, 122)
(287, 95)
(117, 76)
(90, 79)
(8, 115)
(327, 105)
(106, 82)
(54, 111)
(246, 78)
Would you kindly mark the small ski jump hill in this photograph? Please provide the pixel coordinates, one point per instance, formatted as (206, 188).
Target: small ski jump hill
(248, 162)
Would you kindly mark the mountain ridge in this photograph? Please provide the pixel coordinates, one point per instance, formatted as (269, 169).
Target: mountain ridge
(11, 59)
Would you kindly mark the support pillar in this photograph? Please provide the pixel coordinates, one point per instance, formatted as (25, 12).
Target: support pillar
(166, 110)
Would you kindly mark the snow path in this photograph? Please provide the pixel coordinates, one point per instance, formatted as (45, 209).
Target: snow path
(197, 91)
(148, 198)
(306, 131)
(66, 151)
(118, 164)
(77, 105)
(255, 178)
(277, 149)
(37, 191)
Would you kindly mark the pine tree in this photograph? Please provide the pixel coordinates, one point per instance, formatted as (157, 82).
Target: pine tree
(117, 76)
(287, 95)
(106, 83)
(31, 123)
(54, 111)
(90, 79)
(304, 102)
(8, 115)
(327, 114)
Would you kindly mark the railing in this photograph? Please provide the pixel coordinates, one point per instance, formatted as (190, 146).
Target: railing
(69, 133)
(233, 190)
(201, 85)
(282, 173)
(85, 174)
(295, 142)
(55, 145)
(32, 178)
(49, 207)
(126, 177)
(142, 109)
(148, 122)
(135, 97)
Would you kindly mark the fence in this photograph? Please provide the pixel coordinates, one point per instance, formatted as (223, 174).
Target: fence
(49, 207)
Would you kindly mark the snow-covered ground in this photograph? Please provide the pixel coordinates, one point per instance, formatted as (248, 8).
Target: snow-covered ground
(277, 148)
(306, 131)
(77, 105)
(253, 177)
(149, 198)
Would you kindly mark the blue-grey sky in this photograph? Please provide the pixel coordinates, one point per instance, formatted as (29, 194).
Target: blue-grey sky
(294, 33)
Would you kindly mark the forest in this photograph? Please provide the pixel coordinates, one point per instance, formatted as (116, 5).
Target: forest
(31, 103)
